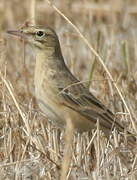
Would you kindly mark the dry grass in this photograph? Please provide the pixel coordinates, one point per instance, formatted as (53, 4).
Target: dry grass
(32, 148)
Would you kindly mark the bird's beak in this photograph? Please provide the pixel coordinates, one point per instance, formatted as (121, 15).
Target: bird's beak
(18, 33)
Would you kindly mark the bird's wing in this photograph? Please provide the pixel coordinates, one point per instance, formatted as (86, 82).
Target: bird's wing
(78, 98)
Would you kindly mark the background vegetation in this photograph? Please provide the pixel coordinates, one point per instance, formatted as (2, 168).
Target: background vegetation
(32, 148)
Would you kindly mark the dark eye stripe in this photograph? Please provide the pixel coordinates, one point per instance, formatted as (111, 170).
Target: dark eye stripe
(34, 33)
(30, 33)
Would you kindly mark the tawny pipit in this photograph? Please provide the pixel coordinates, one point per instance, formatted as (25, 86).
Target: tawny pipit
(58, 92)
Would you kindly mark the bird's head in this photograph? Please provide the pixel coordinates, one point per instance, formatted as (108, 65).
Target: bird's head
(38, 36)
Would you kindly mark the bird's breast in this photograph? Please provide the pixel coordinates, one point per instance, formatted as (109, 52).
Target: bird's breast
(46, 91)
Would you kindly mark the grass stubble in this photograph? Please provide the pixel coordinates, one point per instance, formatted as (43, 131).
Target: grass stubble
(32, 148)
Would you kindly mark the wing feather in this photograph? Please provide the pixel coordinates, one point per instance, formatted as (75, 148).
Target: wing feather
(78, 98)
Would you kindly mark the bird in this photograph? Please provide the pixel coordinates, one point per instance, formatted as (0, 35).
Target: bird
(58, 92)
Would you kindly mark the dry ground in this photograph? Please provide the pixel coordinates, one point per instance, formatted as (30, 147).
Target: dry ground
(32, 148)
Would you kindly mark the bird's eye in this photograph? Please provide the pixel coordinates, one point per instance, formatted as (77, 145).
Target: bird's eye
(40, 33)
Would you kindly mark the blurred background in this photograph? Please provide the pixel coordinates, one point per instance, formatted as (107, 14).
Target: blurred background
(111, 28)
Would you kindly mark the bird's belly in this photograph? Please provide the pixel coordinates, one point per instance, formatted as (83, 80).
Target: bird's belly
(49, 104)
(51, 113)
(59, 114)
